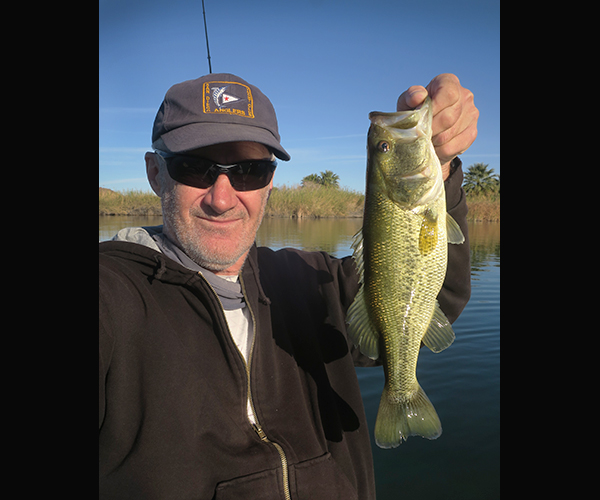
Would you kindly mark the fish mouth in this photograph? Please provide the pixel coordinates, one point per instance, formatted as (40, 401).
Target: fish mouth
(406, 125)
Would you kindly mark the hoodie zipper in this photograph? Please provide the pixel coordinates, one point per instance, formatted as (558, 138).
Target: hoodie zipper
(256, 426)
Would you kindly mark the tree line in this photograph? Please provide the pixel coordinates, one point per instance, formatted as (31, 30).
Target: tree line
(479, 179)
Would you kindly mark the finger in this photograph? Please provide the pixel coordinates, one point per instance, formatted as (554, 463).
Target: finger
(445, 124)
(458, 144)
(445, 91)
(411, 98)
(455, 119)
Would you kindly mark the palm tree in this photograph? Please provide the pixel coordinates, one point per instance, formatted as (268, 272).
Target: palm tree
(480, 179)
(329, 179)
(311, 179)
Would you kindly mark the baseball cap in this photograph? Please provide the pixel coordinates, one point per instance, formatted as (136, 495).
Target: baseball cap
(215, 108)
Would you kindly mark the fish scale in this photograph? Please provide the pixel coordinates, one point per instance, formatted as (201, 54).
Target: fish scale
(414, 286)
(401, 257)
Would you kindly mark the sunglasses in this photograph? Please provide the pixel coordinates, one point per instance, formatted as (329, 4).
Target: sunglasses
(201, 173)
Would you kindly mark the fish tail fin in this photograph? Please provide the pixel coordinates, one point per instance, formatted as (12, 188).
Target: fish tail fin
(397, 420)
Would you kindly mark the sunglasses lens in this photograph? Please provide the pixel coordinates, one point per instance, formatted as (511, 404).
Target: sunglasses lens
(251, 175)
(200, 173)
(193, 172)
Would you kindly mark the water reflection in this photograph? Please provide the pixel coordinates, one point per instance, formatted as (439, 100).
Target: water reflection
(484, 240)
(108, 226)
(333, 236)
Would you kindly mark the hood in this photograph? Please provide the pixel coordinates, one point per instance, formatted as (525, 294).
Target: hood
(136, 244)
(139, 235)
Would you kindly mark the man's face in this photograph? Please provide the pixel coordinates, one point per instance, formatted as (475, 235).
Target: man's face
(216, 226)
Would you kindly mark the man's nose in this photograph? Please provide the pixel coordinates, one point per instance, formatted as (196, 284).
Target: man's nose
(221, 196)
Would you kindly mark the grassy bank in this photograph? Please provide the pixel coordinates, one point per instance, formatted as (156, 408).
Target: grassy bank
(483, 207)
(314, 201)
(132, 202)
(294, 201)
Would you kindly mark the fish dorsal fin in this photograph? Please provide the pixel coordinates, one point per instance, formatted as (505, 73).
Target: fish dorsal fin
(360, 328)
(453, 231)
(357, 255)
(439, 334)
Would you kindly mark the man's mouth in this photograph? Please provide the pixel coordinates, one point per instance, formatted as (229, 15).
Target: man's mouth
(219, 222)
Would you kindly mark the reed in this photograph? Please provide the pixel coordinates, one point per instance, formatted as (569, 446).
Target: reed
(315, 201)
(131, 202)
(484, 207)
(289, 201)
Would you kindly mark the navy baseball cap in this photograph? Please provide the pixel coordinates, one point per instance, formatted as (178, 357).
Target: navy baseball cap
(213, 109)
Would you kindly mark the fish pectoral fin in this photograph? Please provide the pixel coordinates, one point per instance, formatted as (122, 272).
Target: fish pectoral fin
(439, 334)
(360, 328)
(453, 231)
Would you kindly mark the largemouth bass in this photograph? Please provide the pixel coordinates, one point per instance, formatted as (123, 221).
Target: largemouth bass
(401, 255)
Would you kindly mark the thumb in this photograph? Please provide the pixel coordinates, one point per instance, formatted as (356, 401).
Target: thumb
(411, 98)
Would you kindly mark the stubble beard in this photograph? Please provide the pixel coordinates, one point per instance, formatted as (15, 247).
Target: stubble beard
(197, 244)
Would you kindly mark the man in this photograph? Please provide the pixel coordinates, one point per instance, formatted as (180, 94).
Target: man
(225, 369)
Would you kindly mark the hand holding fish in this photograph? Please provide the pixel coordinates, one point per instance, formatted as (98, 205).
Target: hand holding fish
(454, 115)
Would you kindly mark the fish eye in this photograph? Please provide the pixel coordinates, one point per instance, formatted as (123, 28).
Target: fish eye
(383, 146)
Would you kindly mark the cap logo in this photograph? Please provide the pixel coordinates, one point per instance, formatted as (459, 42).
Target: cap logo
(228, 98)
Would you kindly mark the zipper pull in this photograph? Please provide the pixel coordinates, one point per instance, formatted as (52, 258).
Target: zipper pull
(260, 432)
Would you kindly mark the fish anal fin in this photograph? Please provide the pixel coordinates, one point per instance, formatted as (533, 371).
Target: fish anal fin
(455, 235)
(439, 334)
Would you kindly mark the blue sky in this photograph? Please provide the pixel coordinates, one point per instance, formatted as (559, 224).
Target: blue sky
(324, 64)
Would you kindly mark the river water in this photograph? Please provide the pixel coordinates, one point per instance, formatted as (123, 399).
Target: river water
(463, 382)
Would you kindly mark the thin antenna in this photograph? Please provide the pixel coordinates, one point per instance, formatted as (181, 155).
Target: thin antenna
(206, 33)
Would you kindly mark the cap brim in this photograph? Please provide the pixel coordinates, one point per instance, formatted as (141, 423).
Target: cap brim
(199, 135)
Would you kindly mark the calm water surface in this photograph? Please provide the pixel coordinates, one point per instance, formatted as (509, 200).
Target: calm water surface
(463, 382)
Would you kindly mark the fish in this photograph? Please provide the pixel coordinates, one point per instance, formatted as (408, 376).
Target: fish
(401, 255)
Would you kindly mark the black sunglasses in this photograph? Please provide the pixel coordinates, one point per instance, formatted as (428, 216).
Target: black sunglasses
(201, 173)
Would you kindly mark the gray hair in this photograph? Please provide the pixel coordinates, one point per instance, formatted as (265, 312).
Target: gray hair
(163, 176)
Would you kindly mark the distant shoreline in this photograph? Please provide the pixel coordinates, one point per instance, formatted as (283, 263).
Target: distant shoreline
(287, 202)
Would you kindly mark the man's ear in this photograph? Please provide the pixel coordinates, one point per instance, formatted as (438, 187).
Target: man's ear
(152, 171)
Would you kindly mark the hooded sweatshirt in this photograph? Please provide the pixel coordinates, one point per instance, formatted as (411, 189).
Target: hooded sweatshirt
(175, 388)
